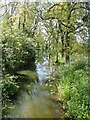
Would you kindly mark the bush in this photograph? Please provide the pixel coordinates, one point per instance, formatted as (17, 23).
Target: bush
(73, 87)
(9, 86)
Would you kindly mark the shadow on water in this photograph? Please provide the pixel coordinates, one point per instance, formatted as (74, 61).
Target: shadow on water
(34, 100)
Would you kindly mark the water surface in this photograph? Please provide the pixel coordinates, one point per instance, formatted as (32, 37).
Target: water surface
(35, 99)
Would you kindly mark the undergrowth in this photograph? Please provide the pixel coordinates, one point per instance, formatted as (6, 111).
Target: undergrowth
(74, 89)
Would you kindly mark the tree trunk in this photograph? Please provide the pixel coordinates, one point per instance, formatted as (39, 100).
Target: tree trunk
(62, 39)
(19, 23)
(24, 21)
(67, 47)
(67, 39)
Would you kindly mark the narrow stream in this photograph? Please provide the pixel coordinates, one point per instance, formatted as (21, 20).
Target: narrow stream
(38, 103)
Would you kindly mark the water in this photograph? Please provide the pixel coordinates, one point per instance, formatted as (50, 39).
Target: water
(36, 100)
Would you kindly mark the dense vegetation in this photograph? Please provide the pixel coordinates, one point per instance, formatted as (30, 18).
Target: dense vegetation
(59, 30)
(73, 87)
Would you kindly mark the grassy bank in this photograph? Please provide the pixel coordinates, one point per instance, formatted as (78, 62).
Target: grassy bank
(73, 88)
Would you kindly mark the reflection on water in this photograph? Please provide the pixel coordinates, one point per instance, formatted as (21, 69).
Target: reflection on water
(37, 104)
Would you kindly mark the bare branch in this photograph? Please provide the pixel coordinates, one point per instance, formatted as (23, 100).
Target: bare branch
(57, 4)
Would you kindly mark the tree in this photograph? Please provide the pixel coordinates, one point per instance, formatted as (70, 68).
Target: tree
(70, 22)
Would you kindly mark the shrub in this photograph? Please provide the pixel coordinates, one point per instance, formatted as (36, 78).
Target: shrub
(73, 87)
(9, 86)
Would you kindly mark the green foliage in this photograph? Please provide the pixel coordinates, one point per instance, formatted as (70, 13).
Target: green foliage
(17, 49)
(65, 22)
(49, 27)
(73, 87)
(9, 86)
